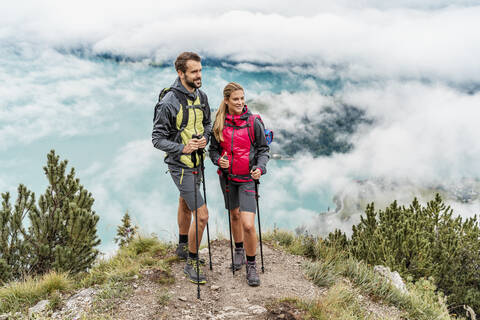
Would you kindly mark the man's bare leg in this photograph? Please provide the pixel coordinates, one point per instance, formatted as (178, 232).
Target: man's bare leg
(184, 217)
(202, 222)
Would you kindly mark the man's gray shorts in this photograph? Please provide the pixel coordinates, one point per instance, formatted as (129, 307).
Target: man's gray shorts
(241, 194)
(183, 179)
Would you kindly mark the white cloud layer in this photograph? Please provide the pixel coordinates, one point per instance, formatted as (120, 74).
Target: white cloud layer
(402, 62)
(420, 132)
(402, 39)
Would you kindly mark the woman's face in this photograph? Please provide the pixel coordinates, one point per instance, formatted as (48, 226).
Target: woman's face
(235, 102)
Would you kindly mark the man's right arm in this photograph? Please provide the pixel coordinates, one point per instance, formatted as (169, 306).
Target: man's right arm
(163, 128)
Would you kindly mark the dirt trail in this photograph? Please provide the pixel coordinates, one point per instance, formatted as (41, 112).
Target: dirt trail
(224, 296)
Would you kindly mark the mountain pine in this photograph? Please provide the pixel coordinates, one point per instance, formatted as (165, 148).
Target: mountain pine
(62, 232)
(423, 241)
(125, 231)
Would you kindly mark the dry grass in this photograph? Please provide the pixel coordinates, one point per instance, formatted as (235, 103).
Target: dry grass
(330, 265)
(17, 295)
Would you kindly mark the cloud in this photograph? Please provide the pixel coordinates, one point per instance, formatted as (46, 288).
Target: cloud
(405, 39)
(410, 66)
(46, 94)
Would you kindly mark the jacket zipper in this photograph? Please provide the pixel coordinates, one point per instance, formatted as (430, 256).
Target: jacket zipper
(231, 146)
(195, 126)
(195, 121)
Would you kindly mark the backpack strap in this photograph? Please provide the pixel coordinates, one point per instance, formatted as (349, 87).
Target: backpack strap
(182, 99)
(184, 105)
(203, 98)
(238, 127)
(251, 125)
(162, 94)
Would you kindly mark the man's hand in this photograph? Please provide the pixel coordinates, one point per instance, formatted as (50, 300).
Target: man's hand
(202, 143)
(256, 173)
(223, 161)
(191, 146)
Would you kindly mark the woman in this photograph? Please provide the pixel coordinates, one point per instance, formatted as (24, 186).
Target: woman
(238, 146)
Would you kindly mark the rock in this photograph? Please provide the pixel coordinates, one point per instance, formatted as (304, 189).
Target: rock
(394, 277)
(4, 316)
(255, 309)
(229, 308)
(182, 298)
(230, 312)
(38, 308)
(76, 305)
(203, 251)
(281, 316)
(214, 287)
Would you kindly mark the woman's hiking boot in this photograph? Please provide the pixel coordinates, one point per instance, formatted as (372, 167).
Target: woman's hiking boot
(252, 276)
(190, 270)
(238, 258)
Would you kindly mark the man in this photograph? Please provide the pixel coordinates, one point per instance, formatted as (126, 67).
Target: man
(181, 128)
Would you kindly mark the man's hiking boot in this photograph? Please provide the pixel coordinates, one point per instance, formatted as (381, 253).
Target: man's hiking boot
(238, 258)
(191, 271)
(252, 275)
(182, 252)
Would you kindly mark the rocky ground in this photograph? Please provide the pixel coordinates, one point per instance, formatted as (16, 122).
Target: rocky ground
(225, 296)
(154, 295)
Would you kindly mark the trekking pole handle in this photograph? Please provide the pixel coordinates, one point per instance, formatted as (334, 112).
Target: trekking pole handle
(197, 136)
(257, 181)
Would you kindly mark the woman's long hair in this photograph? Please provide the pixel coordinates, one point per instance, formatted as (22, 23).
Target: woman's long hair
(223, 109)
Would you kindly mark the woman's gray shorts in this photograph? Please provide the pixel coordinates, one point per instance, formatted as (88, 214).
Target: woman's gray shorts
(241, 194)
(183, 179)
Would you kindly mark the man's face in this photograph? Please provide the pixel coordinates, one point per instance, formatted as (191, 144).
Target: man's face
(193, 75)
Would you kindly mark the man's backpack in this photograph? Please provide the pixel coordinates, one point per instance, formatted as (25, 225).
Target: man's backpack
(182, 99)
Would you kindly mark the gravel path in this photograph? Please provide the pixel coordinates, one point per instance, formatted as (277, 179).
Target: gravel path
(224, 296)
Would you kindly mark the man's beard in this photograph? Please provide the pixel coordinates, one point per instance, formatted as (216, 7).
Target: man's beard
(192, 83)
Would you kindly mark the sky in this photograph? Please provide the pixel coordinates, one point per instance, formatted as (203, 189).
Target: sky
(411, 66)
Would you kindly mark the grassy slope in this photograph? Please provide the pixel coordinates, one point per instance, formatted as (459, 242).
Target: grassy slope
(328, 268)
(110, 277)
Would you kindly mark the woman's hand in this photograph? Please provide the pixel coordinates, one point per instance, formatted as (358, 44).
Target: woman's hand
(223, 161)
(256, 173)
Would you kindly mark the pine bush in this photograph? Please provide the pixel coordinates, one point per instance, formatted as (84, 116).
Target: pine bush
(422, 242)
(62, 232)
(126, 231)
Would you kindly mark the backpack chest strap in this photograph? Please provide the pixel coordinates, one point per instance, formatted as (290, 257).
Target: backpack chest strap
(237, 127)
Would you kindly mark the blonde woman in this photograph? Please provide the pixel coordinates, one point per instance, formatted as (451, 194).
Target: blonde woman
(239, 148)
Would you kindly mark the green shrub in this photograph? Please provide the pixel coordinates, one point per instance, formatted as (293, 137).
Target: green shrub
(125, 232)
(62, 232)
(423, 241)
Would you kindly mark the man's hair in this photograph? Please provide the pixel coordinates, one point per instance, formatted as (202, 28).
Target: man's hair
(181, 62)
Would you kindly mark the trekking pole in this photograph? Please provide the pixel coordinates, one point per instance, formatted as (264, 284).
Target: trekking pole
(205, 197)
(257, 182)
(227, 190)
(195, 173)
